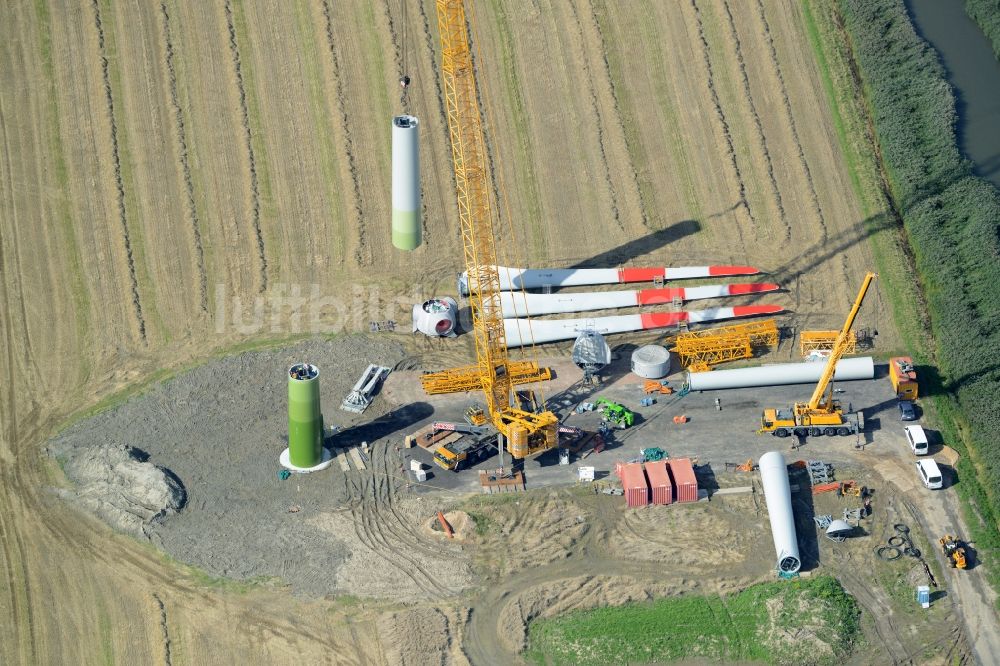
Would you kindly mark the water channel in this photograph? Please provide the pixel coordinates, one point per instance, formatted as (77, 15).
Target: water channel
(973, 71)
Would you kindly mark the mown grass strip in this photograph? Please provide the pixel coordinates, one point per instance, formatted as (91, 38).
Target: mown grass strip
(745, 626)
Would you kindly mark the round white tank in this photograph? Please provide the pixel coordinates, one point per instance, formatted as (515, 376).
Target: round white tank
(436, 317)
(651, 362)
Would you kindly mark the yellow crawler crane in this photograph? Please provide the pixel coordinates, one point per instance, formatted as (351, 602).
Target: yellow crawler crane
(699, 350)
(526, 433)
(819, 417)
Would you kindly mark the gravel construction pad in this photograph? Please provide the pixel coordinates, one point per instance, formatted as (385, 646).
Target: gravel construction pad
(220, 428)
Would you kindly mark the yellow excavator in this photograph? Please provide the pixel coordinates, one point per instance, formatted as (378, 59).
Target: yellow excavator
(818, 416)
(526, 433)
(954, 551)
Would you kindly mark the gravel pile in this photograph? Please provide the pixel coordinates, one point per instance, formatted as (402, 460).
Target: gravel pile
(218, 430)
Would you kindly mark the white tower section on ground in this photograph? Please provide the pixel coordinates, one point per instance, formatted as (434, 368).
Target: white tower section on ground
(405, 183)
(778, 495)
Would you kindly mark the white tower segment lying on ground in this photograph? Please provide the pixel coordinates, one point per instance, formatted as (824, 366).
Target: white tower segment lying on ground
(777, 494)
(521, 332)
(521, 304)
(539, 278)
(405, 183)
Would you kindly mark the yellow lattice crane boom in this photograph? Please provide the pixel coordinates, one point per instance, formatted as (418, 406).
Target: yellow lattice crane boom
(699, 350)
(819, 417)
(526, 432)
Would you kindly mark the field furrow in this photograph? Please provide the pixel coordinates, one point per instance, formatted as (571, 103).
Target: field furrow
(248, 135)
(116, 164)
(182, 146)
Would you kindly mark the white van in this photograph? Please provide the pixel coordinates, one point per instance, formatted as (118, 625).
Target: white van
(917, 438)
(930, 473)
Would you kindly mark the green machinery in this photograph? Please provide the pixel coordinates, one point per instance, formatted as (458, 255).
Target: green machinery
(654, 454)
(615, 413)
(305, 420)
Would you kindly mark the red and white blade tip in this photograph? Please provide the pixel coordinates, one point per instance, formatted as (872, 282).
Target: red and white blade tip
(732, 270)
(751, 310)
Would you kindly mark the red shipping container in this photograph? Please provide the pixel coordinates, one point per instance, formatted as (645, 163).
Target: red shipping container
(659, 482)
(685, 483)
(635, 485)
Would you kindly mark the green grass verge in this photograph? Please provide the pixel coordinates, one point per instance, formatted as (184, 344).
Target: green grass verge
(757, 624)
(949, 216)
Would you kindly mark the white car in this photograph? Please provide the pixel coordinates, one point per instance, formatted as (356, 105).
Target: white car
(930, 473)
(917, 438)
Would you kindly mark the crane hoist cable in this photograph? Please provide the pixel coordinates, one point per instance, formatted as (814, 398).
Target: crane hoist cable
(529, 351)
(404, 77)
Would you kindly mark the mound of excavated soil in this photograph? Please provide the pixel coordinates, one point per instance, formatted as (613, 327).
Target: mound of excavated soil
(120, 485)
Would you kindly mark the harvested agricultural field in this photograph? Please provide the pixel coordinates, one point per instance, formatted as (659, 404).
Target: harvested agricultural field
(183, 179)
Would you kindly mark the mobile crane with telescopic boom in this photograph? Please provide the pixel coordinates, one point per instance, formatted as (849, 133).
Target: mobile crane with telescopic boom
(818, 416)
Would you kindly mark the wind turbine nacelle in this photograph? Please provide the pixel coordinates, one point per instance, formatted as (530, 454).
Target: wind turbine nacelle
(436, 317)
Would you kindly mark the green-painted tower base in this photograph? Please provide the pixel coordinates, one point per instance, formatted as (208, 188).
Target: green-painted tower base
(305, 421)
(405, 229)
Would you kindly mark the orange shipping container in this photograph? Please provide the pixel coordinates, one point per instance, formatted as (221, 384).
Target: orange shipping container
(659, 482)
(636, 487)
(903, 377)
(685, 483)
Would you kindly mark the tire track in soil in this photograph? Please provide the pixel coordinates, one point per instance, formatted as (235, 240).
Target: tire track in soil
(645, 217)
(29, 613)
(370, 537)
(185, 165)
(16, 621)
(360, 254)
(15, 246)
(18, 284)
(116, 160)
(814, 197)
(881, 622)
(371, 496)
(599, 122)
(248, 135)
(402, 533)
(752, 106)
(402, 529)
(721, 116)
